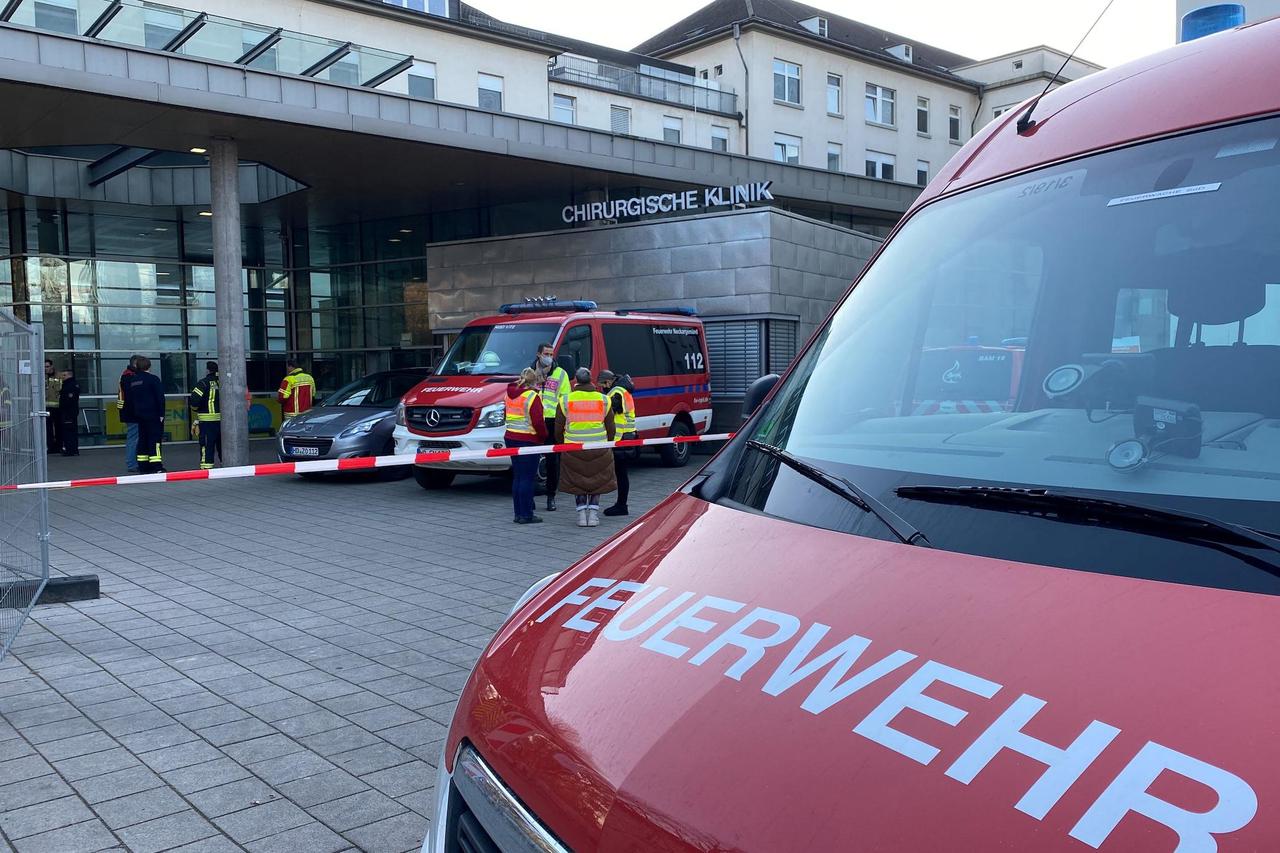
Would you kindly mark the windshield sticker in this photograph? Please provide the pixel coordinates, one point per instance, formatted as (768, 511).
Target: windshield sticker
(1253, 146)
(1053, 186)
(1195, 190)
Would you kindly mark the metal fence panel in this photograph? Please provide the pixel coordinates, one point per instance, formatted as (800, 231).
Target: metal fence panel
(24, 516)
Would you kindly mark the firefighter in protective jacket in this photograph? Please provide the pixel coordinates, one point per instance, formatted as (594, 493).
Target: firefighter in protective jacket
(206, 404)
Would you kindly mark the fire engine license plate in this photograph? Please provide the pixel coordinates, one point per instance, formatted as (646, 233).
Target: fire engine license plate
(305, 451)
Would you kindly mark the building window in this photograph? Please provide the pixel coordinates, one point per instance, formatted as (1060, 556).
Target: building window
(159, 26)
(564, 109)
(422, 80)
(922, 116)
(719, 70)
(58, 16)
(999, 111)
(880, 104)
(490, 95)
(251, 37)
(786, 149)
(953, 124)
(431, 7)
(815, 25)
(619, 119)
(719, 138)
(786, 82)
(835, 94)
(704, 74)
(672, 129)
(345, 71)
(880, 165)
(835, 157)
(922, 172)
(1017, 65)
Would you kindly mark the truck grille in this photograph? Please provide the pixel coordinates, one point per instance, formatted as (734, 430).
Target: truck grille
(434, 419)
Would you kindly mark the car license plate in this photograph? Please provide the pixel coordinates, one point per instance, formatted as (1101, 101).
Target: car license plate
(305, 451)
(436, 446)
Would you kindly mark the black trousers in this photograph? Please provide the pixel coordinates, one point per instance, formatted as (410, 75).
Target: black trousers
(53, 429)
(553, 462)
(69, 430)
(620, 471)
(150, 434)
(210, 442)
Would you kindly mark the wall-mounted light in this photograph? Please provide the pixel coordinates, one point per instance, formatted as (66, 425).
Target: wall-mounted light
(206, 213)
(199, 150)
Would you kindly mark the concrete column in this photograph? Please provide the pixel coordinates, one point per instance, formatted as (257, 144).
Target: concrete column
(229, 298)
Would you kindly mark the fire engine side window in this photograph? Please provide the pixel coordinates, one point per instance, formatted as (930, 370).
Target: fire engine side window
(642, 350)
(577, 345)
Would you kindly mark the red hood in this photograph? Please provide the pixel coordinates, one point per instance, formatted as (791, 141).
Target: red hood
(624, 744)
(468, 391)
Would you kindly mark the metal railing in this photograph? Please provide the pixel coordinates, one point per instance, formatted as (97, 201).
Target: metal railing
(687, 92)
(24, 516)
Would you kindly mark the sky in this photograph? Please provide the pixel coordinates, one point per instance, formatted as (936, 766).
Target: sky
(976, 28)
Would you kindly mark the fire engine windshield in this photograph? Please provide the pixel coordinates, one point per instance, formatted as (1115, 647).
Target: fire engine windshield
(1109, 327)
(506, 349)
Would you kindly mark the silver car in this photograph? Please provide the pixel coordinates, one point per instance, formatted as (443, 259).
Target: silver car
(355, 420)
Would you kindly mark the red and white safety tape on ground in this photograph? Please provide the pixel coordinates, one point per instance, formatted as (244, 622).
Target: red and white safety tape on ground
(362, 463)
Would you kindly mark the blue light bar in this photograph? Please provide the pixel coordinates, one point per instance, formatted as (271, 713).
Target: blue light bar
(536, 306)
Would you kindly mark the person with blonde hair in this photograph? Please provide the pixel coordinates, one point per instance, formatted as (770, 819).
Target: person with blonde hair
(525, 428)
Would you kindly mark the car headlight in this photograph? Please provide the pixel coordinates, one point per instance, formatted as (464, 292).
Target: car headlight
(359, 429)
(493, 416)
(531, 592)
(400, 413)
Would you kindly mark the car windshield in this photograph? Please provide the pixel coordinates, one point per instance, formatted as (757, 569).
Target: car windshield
(506, 348)
(377, 391)
(1109, 326)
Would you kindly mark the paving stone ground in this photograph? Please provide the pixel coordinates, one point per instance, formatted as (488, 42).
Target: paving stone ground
(272, 664)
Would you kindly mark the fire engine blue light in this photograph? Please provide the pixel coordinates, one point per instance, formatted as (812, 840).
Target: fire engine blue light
(1208, 20)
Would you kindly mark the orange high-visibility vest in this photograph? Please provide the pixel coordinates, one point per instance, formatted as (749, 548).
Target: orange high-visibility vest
(518, 419)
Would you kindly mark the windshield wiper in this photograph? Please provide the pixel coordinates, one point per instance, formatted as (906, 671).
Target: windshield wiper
(1107, 512)
(902, 529)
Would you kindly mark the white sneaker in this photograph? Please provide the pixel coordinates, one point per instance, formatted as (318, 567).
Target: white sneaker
(584, 517)
(593, 516)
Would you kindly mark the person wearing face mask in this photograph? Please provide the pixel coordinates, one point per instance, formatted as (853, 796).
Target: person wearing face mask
(553, 389)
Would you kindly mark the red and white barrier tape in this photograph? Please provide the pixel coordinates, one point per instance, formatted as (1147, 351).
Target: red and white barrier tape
(361, 463)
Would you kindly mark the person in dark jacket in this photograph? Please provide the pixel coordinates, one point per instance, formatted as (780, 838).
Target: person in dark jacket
(207, 405)
(145, 393)
(69, 413)
(525, 428)
(128, 418)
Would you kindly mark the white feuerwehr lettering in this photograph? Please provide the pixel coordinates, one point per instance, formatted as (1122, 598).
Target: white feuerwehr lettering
(785, 627)
(1065, 766)
(615, 630)
(841, 659)
(910, 694)
(1237, 802)
(658, 641)
(577, 597)
(604, 601)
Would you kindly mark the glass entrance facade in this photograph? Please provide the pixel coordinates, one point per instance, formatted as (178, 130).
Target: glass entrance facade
(116, 280)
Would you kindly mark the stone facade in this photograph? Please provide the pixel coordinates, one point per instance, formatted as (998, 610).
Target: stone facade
(743, 263)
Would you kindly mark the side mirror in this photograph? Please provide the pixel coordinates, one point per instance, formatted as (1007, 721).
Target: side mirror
(756, 393)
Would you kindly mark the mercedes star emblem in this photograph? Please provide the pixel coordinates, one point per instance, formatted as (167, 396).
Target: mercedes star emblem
(433, 417)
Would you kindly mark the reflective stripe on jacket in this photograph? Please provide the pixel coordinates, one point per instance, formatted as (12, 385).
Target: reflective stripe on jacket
(555, 388)
(584, 417)
(297, 390)
(204, 399)
(518, 418)
(625, 421)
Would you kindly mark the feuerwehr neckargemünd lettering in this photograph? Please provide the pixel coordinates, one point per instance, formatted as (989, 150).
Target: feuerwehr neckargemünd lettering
(680, 201)
(648, 614)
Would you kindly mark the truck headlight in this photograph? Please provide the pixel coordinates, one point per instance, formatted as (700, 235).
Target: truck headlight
(400, 413)
(359, 429)
(493, 416)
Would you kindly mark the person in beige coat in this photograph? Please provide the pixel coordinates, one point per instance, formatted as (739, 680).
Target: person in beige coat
(586, 474)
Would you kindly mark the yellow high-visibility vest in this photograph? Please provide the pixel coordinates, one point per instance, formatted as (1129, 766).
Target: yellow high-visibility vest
(584, 417)
(626, 421)
(518, 418)
(555, 388)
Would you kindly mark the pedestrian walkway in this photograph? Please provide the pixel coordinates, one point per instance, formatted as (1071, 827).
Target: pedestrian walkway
(272, 665)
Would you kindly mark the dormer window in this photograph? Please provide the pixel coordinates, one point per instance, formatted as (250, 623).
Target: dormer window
(817, 26)
(901, 51)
